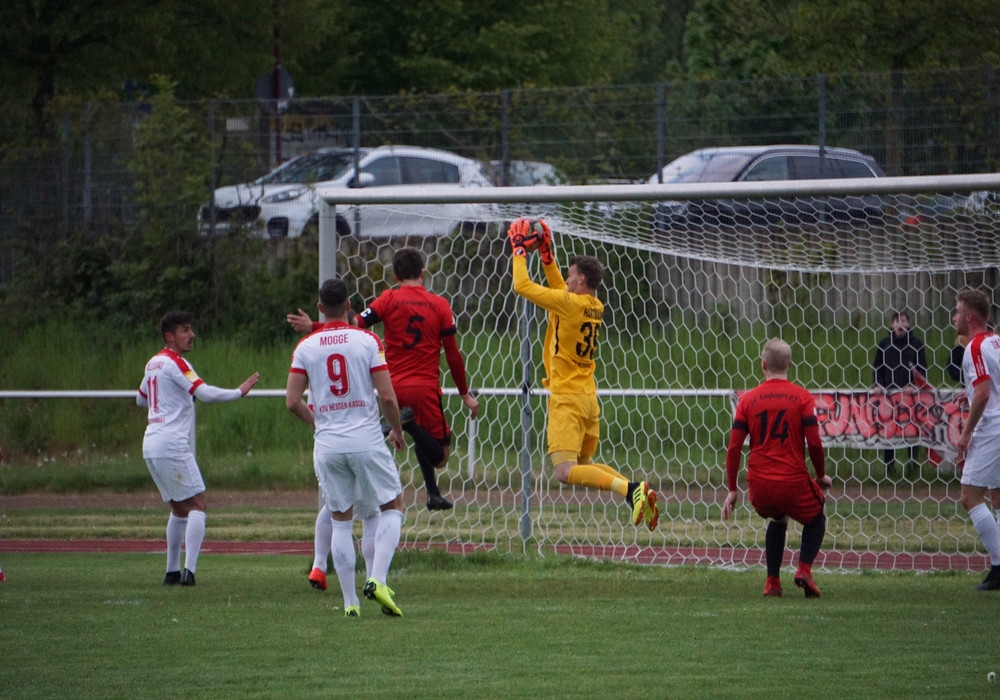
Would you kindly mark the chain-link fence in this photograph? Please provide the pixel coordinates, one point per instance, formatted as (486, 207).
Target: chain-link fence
(915, 123)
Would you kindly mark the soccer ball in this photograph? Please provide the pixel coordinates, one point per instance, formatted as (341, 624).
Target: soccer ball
(534, 239)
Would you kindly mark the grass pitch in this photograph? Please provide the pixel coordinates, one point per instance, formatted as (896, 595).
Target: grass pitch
(101, 625)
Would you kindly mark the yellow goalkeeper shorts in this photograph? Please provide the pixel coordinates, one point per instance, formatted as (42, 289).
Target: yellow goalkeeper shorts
(574, 423)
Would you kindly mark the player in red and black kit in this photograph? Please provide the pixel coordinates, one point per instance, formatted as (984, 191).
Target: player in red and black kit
(780, 418)
(418, 325)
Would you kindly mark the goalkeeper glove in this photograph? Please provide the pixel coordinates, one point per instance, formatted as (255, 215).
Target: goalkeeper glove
(519, 230)
(545, 244)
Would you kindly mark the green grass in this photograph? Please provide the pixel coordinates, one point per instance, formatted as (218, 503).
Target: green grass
(100, 625)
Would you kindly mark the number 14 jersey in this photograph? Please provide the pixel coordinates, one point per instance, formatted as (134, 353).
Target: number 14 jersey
(775, 415)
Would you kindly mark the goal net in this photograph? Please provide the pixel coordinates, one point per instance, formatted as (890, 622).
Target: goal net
(696, 280)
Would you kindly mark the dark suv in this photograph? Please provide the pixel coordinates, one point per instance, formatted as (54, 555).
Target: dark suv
(758, 163)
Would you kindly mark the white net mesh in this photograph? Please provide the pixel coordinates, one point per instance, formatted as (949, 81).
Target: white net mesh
(690, 300)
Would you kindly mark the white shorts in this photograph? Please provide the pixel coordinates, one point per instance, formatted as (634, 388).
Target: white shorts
(177, 478)
(362, 480)
(982, 462)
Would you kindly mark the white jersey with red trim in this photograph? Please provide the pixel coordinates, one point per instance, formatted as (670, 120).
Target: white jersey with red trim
(339, 360)
(168, 389)
(982, 364)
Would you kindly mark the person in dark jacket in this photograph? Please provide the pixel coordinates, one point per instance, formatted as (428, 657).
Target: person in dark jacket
(897, 356)
(955, 355)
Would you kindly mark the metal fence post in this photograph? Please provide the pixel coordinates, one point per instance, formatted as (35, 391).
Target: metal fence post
(526, 476)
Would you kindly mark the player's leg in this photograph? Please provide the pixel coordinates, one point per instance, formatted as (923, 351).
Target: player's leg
(378, 481)
(431, 436)
(344, 557)
(387, 536)
(175, 541)
(160, 471)
(774, 554)
(980, 476)
(182, 487)
(322, 535)
(573, 433)
(804, 503)
(194, 536)
(369, 526)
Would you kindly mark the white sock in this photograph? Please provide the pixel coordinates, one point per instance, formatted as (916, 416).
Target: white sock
(321, 539)
(344, 559)
(175, 539)
(194, 535)
(369, 526)
(390, 522)
(989, 531)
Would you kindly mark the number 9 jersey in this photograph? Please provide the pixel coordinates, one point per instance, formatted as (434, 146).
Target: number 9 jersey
(339, 360)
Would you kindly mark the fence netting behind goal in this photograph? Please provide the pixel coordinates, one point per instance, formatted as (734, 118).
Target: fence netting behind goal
(692, 290)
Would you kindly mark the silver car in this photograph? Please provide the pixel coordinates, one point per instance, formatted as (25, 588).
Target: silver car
(284, 203)
(765, 163)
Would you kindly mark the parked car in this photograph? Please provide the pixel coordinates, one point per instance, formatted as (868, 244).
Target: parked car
(527, 173)
(284, 203)
(766, 163)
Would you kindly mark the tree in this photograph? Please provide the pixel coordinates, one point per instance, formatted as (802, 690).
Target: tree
(77, 48)
(437, 46)
(727, 39)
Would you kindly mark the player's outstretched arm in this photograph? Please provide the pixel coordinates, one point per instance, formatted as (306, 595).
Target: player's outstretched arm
(300, 321)
(545, 244)
(249, 383)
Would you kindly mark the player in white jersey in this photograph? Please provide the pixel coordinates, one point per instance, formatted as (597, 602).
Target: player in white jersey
(343, 366)
(168, 390)
(979, 442)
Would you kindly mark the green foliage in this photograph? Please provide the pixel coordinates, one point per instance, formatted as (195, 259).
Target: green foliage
(545, 625)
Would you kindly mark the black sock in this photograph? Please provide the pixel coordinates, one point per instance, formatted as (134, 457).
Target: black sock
(427, 469)
(774, 546)
(812, 538)
(425, 442)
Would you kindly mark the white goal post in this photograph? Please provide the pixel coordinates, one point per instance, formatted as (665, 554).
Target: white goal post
(690, 300)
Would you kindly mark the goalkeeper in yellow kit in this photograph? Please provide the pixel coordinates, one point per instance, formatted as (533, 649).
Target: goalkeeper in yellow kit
(575, 317)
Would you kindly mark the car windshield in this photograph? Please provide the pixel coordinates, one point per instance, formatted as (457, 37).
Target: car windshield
(314, 167)
(705, 166)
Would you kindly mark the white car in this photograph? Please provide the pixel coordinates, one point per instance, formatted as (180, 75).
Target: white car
(284, 203)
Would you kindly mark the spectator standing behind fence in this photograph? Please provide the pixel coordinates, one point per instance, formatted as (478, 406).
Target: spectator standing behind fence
(343, 366)
(979, 442)
(780, 418)
(897, 357)
(956, 354)
(166, 392)
(418, 326)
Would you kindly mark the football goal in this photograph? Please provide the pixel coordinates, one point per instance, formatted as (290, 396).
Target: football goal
(697, 277)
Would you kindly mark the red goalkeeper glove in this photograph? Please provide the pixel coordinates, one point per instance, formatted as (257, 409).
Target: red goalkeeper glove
(545, 244)
(517, 233)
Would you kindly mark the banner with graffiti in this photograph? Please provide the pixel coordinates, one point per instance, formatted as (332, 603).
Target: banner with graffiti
(887, 419)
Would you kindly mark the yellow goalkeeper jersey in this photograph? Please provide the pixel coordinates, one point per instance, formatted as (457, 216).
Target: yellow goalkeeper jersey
(573, 331)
